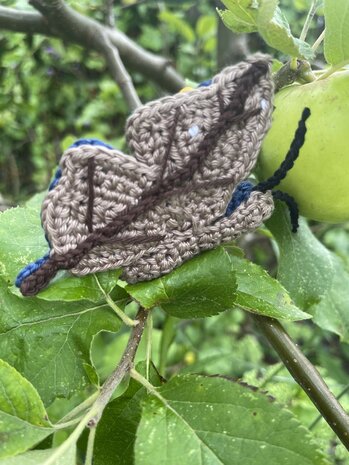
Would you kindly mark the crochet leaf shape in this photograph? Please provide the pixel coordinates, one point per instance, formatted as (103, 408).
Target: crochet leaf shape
(149, 211)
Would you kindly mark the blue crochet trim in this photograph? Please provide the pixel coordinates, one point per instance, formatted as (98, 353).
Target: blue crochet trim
(32, 267)
(241, 194)
(206, 83)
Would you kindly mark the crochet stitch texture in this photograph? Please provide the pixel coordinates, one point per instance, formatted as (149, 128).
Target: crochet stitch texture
(149, 212)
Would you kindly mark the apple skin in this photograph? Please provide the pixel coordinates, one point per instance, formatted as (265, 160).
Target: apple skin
(319, 180)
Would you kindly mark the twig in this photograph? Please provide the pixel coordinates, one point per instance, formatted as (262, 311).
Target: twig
(120, 74)
(314, 6)
(149, 341)
(122, 369)
(122, 315)
(90, 446)
(319, 40)
(57, 19)
(109, 13)
(71, 440)
(306, 375)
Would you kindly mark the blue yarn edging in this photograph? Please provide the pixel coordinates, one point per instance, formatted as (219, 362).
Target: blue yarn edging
(34, 266)
(241, 194)
(30, 269)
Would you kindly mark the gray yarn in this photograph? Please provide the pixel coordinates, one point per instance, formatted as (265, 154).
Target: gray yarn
(185, 223)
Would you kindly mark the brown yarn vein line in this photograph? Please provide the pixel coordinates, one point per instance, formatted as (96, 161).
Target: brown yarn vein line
(91, 193)
(157, 193)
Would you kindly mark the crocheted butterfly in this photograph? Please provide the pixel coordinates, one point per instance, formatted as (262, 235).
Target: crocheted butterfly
(179, 194)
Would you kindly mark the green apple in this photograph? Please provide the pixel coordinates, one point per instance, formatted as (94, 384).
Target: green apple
(319, 180)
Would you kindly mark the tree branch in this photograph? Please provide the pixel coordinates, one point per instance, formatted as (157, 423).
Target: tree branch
(122, 369)
(306, 376)
(59, 20)
(120, 75)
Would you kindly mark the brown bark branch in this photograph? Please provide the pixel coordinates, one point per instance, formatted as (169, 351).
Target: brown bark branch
(121, 76)
(56, 19)
(122, 369)
(307, 376)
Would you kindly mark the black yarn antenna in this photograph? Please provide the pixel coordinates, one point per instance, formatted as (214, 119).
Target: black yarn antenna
(291, 157)
(292, 207)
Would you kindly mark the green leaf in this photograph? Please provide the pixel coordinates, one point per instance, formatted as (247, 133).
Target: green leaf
(206, 25)
(259, 293)
(203, 286)
(17, 435)
(332, 312)
(19, 398)
(215, 421)
(28, 244)
(316, 278)
(265, 17)
(337, 31)
(70, 288)
(240, 16)
(48, 342)
(116, 432)
(275, 30)
(177, 24)
(38, 457)
(23, 418)
(305, 266)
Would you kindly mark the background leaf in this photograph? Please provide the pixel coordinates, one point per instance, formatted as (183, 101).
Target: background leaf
(264, 16)
(276, 32)
(216, 421)
(259, 293)
(48, 342)
(337, 31)
(38, 457)
(23, 418)
(202, 286)
(19, 397)
(305, 266)
(332, 312)
(116, 432)
(17, 435)
(240, 16)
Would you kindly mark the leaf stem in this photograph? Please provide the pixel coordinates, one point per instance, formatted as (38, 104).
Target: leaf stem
(72, 438)
(144, 382)
(90, 446)
(306, 375)
(78, 409)
(319, 40)
(314, 6)
(167, 337)
(122, 315)
(149, 335)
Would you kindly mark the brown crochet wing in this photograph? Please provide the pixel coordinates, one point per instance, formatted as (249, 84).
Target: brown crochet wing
(169, 133)
(207, 140)
(149, 212)
(96, 185)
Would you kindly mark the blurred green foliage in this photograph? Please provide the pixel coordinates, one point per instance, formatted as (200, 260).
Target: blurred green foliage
(53, 92)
